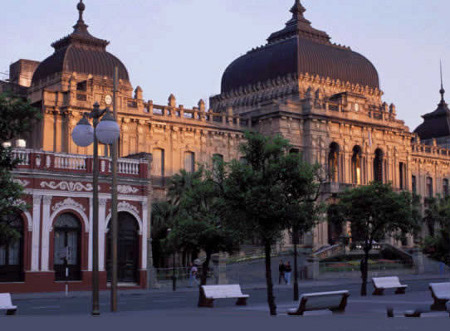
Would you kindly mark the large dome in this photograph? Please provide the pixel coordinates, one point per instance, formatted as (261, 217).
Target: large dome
(299, 49)
(80, 52)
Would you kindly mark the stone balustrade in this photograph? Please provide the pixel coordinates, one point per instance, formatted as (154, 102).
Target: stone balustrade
(57, 162)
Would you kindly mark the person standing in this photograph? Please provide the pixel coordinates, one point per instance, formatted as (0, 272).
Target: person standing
(193, 271)
(281, 272)
(287, 273)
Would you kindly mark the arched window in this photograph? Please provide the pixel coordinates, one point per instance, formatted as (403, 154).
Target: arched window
(11, 253)
(378, 166)
(127, 249)
(67, 248)
(189, 161)
(356, 165)
(333, 162)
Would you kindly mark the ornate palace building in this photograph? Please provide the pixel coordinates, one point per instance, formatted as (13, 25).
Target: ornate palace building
(323, 97)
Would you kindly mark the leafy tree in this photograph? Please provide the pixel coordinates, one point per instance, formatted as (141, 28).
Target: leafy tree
(437, 217)
(16, 117)
(301, 188)
(374, 212)
(268, 193)
(198, 224)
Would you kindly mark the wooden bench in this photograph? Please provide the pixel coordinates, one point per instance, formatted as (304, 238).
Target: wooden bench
(382, 283)
(6, 304)
(213, 292)
(335, 301)
(441, 295)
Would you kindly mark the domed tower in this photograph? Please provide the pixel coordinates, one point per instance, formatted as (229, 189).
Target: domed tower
(436, 125)
(78, 57)
(79, 73)
(295, 59)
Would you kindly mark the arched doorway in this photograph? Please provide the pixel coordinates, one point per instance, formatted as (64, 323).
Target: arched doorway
(127, 249)
(67, 248)
(11, 251)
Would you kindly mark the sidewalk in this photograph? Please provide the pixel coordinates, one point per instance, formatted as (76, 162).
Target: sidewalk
(303, 284)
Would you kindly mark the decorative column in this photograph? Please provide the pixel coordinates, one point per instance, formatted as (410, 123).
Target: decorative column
(35, 236)
(144, 233)
(46, 228)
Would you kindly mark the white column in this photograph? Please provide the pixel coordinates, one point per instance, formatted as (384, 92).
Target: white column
(35, 235)
(46, 227)
(144, 233)
(101, 232)
(90, 246)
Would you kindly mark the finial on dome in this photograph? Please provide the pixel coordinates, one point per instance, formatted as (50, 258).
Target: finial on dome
(81, 7)
(80, 26)
(442, 91)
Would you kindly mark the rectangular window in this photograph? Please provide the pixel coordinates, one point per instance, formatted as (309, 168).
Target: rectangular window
(189, 161)
(158, 162)
(429, 187)
(414, 184)
(445, 187)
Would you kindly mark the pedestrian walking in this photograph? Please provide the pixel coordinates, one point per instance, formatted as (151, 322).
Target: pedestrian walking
(193, 271)
(281, 272)
(287, 273)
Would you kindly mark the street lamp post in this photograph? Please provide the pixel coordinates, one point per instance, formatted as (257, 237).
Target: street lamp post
(107, 131)
(174, 277)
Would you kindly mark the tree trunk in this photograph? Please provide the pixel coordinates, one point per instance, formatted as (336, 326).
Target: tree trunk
(296, 294)
(203, 279)
(364, 272)
(270, 297)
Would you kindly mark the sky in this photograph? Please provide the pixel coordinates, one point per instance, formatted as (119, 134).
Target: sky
(184, 46)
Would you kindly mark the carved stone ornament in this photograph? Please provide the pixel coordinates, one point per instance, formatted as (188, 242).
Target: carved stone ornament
(22, 182)
(124, 205)
(67, 186)
(69, 203)
(126, 189)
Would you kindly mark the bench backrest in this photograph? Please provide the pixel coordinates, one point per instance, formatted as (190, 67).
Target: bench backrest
(222, 291)
(440, 289)
(322, 300)
(5, 300)
(386, 281)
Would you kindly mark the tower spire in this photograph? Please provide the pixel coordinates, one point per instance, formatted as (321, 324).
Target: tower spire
(442, 91)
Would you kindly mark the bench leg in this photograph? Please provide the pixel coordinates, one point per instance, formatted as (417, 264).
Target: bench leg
(378, 291)
(439, 305)
(401, 291)
(241, 302)
(11, 312)
(208, 303)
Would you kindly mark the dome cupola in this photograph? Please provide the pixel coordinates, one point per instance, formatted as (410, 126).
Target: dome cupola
(299, 49)
(80, 52)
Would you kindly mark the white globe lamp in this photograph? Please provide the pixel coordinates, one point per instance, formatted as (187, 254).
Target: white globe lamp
(108, 131)
(83, 133)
